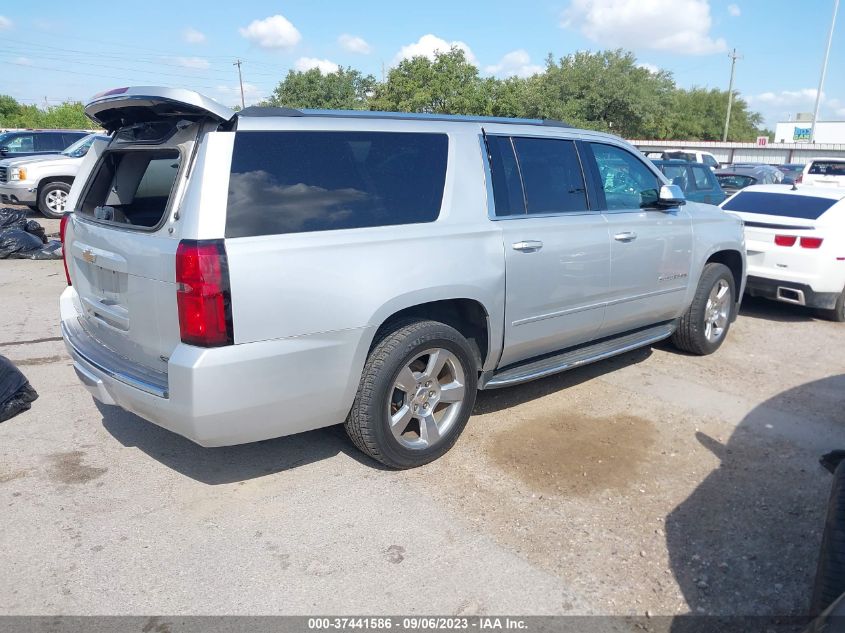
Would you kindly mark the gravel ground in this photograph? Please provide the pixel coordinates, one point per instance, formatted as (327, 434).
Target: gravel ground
(653, 482)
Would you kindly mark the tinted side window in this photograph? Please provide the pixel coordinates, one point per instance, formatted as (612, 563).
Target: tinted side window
(551, 175)
(677, 174)
(507, 183)
(21, 143)
(627, 182)
(702, 179)
(49, 142)
(293, 182)
(70, 139)
(710, 161)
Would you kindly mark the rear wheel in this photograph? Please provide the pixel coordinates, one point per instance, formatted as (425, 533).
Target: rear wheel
(837, 313)
(704, 326)
(52, 199)
(415, 396)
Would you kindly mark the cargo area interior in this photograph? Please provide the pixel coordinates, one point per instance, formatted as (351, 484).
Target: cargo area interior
(132, 186)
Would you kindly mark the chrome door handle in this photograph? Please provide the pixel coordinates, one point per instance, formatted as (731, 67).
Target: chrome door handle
(528, 246)
(627, 236)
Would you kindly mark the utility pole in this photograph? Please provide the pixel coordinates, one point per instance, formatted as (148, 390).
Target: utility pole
(824, 72)
(733, 57)
(241, 80)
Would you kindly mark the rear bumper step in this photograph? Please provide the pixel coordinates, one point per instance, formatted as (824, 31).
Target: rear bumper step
(569, 359)
(82, 347)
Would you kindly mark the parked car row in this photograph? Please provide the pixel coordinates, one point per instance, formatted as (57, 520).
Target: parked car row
(42, 180)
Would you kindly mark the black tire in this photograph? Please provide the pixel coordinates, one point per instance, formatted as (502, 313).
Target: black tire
(837, 314)
(690, 334)
(830, 573)
(368, 422)
(44, 191)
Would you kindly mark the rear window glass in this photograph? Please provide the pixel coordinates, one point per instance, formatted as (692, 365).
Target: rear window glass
(783, 204)
(293, 182)
(132, 187)
(822, 168)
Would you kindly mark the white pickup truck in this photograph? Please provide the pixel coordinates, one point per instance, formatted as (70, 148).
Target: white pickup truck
(43, 182)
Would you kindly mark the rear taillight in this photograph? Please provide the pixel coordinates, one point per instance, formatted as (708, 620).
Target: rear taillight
(202, 293)
(811, 242)
(62, 228)
(800, 179)
(785, 240)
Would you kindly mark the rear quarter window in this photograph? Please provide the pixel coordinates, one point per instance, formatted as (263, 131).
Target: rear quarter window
(295, 182)
(782, 204)
(825, 168)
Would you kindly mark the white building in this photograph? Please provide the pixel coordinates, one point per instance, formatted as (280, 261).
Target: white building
(799, 132)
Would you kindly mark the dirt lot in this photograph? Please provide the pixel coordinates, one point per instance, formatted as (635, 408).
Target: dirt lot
(650, 482)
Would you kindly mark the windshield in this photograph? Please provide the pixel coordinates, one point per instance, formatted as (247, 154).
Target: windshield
(735, 181)
(827, 168)
(81, 147)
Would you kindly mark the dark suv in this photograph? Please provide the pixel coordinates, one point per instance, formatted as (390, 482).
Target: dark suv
(32, 142)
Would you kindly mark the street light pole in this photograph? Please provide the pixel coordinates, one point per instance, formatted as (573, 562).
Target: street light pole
(733, 57)
(824, 72)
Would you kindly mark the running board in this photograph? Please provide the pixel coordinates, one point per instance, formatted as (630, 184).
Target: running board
(572, 358)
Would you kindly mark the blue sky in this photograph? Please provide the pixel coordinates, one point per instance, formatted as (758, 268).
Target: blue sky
(62, 50)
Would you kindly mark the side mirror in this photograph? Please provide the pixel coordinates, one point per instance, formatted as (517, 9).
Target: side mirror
(670, 196)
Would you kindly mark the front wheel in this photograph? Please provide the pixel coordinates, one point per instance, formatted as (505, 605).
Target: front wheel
(416, 394)
(704, 326)
(52, 199)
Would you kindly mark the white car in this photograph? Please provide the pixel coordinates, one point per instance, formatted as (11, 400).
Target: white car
(689, 155)
(43, 182)
(824, 172)
(795, 243)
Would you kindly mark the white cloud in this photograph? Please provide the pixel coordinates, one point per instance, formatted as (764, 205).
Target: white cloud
(23, 61)
(192, 36)
(195, 63)
(785, 98)
(273, 32)
(649, 67)
(354, 44)
(429, 44)
(324, 65)
(734, 10)
(232, 94)
(677, 26)
(516, 63)
(5, 23)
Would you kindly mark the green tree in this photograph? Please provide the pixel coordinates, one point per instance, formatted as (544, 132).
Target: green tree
(447, 85)
(698, 114)
(346, 89)
(604, 91)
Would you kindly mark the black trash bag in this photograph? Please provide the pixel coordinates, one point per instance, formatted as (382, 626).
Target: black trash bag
(18, 241)
(12, 218)
(16, 394)
(50, 250)
(36, 229)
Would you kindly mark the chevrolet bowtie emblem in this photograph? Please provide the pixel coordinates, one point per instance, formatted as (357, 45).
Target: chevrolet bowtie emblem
(89, 256)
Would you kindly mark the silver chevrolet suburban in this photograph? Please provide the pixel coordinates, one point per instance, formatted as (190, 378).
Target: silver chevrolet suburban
(235, 277)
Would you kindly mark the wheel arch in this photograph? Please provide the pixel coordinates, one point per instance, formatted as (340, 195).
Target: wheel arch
(469, 316)
(735, 262)
(47, 180)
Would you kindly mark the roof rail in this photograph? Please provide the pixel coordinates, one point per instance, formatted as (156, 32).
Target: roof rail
(261, 111)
